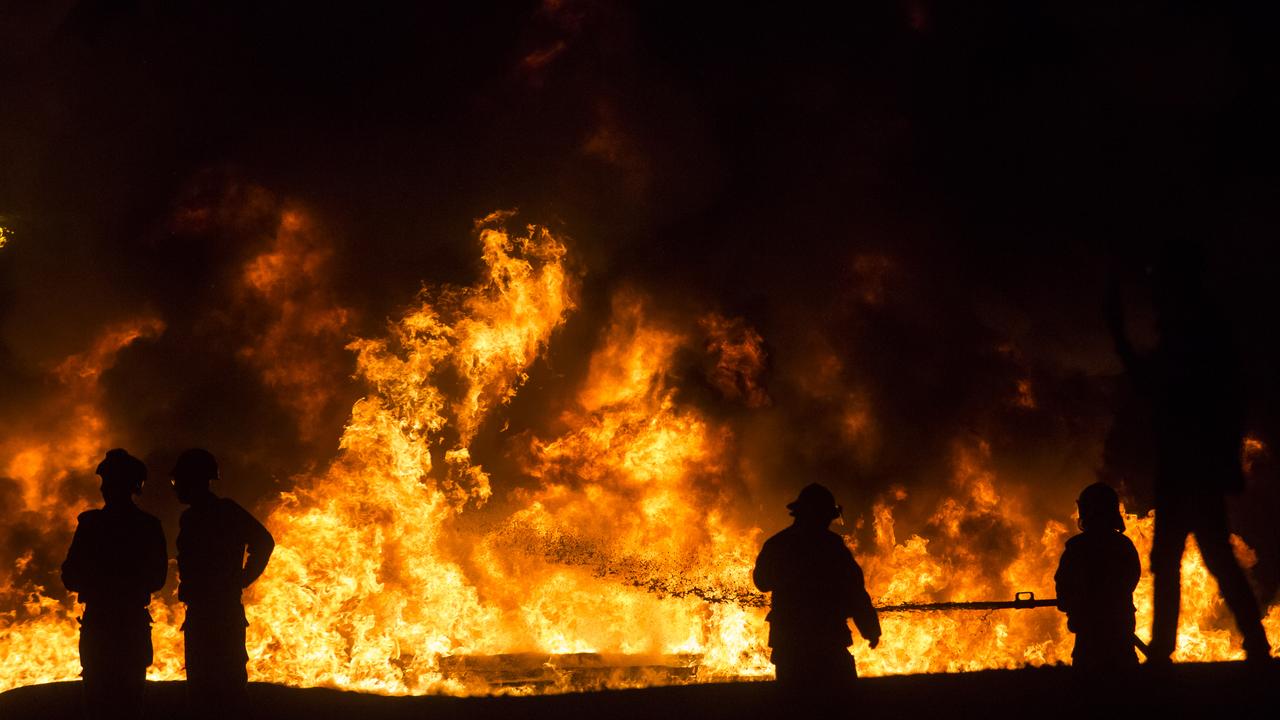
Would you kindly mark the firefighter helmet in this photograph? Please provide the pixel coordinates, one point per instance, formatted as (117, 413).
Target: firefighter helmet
(1100, 507)
(196, 463)
(122, 470)
(814, 499)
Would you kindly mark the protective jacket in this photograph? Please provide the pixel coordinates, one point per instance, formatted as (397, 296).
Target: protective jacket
(1095, 581)
(117, 558)
(213, 539)
(816, 586)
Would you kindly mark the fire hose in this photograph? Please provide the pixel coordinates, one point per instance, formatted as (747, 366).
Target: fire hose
(1021, 601)
(570, 550)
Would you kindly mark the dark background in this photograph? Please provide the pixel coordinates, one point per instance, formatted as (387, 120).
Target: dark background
(932, 193)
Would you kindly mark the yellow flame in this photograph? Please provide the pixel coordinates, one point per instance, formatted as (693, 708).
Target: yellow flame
(62, 439)
(627, 535)
(366, 590)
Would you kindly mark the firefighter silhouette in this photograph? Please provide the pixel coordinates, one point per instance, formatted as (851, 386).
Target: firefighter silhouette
(1191, 381)
(222, 549)
(816, 587)
(117, 558)
(1095, 581)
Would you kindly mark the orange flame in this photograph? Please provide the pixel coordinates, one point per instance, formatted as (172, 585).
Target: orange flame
(1252, 451)
(633, 536)
(366, 590)
(738, 353)
(306, 324)
(44, 468)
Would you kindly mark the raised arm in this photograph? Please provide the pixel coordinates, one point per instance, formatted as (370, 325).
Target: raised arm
(260, 544)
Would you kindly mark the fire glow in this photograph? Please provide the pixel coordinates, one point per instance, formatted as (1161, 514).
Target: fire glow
(631, 543)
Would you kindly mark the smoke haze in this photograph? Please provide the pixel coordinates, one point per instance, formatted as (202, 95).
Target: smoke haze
(881, 233)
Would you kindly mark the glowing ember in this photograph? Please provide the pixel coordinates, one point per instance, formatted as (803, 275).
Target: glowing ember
(1252, 450)
(634, 539)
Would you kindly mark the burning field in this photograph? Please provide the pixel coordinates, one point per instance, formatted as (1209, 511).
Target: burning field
(406, 567)
(519, 324)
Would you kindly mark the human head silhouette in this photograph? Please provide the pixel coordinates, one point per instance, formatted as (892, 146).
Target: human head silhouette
(1099, 508)
(815, 504)
(192, 473)
(122, 476)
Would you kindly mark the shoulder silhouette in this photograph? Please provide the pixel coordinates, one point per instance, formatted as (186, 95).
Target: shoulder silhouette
(222, 549)
(117, 558)
(1096, 577)
(816, 588)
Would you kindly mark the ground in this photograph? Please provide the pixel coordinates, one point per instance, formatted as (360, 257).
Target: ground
(1217, 690)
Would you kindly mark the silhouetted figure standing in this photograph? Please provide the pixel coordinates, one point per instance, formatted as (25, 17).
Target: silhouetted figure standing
(817, 586)
(1191, 382)
(214, 536)
(1095, 581)
(117, 559)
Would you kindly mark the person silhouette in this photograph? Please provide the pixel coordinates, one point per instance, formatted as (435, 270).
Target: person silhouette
(1191, 383)
(816, 587)
(222, 549)
(1096, 577)
(117, 558)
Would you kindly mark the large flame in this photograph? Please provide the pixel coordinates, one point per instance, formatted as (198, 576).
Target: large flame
(45, 482)
(631, 537)
(366, 590)
(304, 324)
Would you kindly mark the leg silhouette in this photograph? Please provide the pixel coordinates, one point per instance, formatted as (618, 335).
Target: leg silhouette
(1166, 568)
(1215, 548)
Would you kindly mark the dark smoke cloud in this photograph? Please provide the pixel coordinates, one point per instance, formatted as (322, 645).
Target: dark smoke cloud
(915, 204)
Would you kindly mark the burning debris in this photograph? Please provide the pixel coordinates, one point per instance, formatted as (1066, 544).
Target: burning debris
(571, 672)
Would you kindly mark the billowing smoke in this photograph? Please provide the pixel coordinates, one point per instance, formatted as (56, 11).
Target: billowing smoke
(871, 242)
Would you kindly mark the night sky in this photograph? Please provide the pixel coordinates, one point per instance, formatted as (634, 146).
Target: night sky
(932, 192)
